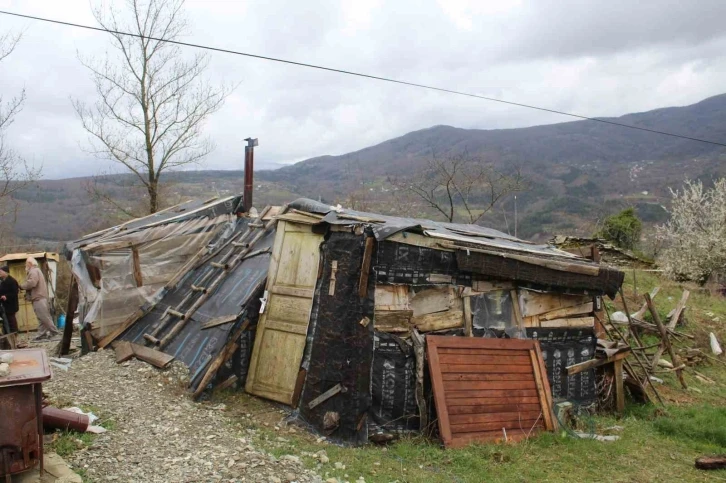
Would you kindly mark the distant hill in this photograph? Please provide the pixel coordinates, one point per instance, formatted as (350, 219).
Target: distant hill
(579, 171)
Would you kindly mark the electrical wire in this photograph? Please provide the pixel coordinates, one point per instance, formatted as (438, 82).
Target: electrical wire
(364, 75)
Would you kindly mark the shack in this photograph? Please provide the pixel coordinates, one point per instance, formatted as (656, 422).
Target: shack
(350, 297)
(48, 263)
(327, 310)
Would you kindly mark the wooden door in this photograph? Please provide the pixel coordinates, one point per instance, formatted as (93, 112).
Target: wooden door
(282, 329)
(25, 316)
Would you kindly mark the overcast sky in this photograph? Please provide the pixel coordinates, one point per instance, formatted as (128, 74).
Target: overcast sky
(597, 58)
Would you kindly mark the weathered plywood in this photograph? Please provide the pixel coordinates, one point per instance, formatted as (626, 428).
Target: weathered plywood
(393, 320)
(392, 297)
(568, 312)
(564, 323)
(488, 390)
(431, 300)
(485, 286)
(282, 328)
(536, 303)
(450, 319)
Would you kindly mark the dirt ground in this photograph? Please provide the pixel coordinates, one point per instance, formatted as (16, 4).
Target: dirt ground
(157, 434)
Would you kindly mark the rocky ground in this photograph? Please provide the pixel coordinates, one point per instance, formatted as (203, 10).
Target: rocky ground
(157, 433)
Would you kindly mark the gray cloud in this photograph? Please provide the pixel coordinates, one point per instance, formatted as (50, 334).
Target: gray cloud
(589, 57)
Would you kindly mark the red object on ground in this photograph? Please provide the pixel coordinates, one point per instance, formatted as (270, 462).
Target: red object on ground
(54, 418)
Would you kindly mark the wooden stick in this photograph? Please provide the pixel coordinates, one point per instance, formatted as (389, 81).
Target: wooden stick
(635, 355)
(65, 345)
(666, 340)
(679, 310)
(365, 267)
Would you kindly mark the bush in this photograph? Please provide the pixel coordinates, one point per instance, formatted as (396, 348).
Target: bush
(694, 239)
(623, 229)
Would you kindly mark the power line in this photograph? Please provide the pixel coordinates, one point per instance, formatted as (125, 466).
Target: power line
(360, 74)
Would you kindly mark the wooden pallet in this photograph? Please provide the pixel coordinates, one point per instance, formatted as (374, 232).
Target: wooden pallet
(489, 390)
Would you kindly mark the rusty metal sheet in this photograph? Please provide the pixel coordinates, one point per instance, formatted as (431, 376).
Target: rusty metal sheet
(29, 366)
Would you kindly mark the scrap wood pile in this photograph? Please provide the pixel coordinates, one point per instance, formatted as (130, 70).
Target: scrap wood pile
(651, 361)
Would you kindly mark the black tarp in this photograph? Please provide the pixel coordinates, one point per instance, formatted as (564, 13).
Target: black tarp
(399, 263)
(340, 348)
(566, 347)
(393, 388)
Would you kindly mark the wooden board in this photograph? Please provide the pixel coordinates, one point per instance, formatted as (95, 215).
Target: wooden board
(152, 356)
(489, 390)
(431, 300)
(535, 303)
(282, 328)
(391, 297)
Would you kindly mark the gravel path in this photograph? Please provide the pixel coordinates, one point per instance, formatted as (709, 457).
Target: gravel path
(159, 434)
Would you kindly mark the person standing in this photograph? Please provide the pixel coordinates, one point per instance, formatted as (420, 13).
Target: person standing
(9, 297)
(36, 290)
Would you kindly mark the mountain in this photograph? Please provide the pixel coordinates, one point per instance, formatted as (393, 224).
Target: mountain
(578, 172)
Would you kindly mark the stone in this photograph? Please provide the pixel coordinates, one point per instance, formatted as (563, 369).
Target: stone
(4, 369)
(339, 465)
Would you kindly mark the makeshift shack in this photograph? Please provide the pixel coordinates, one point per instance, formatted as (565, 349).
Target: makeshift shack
(120, 269)
(48, 263)
(350, 295)
(327, 310)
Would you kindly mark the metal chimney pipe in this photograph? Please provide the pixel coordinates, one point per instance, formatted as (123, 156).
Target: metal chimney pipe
(249, 172)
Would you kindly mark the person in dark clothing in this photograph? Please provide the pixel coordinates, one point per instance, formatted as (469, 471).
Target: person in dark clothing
(9, 297)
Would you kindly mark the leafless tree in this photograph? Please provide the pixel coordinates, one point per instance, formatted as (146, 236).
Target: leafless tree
(15, 173)
(153, 100)
(460, 183)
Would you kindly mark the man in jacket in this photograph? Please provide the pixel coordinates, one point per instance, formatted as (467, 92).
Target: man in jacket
(9, 297)
(36, 290)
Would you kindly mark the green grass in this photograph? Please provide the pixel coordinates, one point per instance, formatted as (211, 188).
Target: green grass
(656, 444)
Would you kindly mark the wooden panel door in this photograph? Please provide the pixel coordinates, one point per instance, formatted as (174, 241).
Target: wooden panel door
(25, 316)
(282, 329)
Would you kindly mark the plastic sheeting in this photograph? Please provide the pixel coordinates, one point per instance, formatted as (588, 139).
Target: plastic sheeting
(121, 274)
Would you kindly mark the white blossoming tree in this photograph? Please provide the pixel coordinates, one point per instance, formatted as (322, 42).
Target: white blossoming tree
(694, 238)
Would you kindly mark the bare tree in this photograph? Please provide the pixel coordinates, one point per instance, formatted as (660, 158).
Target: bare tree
(152, 100)
(460, 182)
(15, 173)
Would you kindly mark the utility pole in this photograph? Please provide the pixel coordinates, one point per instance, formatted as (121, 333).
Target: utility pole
(249, 172)
(515, 216)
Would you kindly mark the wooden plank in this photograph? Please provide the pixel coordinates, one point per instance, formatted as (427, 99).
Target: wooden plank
(366, 267)
(485, 359)
(137, 267)
(326, 395)
(567, 312)
(507, 399)
(484, 386)
(515, 424)
(494, 408)
(152, 356)
(65, 345)
(439, 395)
(665, 339)
(477, 343)
(468, 320)
(221, 320)
(543, 388)
(432, 300)
(492, 394)
(488, 368)
(483, 352)
(124, 351)
(619, 389)
(392, 297)
(593, 363)
(679, 310)
(393, 321)
(486, 377)
(502, 417)
(536, 303)
(578, 322)
(449, 319)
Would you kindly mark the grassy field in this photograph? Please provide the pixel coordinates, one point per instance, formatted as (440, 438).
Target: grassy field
(656, 444)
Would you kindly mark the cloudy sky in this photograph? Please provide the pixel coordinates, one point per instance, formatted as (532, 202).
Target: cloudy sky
(597, 58)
